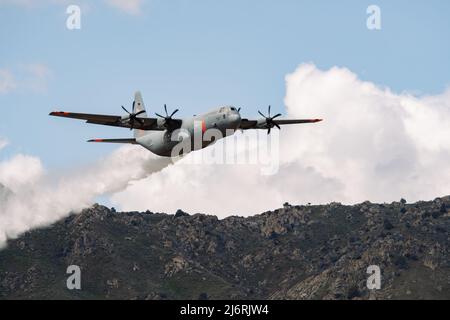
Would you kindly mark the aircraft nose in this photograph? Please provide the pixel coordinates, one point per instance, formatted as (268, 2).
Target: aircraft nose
(235, 118)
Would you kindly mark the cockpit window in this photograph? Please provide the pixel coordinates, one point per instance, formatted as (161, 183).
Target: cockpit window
(233, 109)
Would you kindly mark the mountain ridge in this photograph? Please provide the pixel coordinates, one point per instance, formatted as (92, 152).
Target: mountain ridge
(295, 252)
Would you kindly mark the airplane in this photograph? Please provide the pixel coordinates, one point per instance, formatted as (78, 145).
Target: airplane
(157, 134)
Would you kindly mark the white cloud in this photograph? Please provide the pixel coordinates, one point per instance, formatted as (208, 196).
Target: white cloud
(36, 76)
(7, 81)
(3, 143)
(32, 3)
(226, 190)
(26, 77)
(372, 138)
(373, 145)
(20, 171)
(132, 7)
(128, 6)
(41, 198)
(37, 70)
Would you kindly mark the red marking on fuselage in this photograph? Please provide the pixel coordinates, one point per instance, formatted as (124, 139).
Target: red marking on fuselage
(203, 126)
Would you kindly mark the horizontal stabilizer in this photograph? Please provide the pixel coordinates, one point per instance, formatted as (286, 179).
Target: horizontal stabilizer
(132, 141)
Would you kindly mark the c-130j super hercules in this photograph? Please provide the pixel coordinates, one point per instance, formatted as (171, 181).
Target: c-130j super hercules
(157, 134)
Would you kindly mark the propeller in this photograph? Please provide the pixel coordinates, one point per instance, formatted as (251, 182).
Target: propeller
(132, 117)
(167, 119)
(269, 120)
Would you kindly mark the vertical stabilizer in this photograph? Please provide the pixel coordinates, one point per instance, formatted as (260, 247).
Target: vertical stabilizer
(138, 105)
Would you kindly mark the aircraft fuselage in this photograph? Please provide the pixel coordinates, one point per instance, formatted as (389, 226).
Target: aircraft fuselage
(163, 142)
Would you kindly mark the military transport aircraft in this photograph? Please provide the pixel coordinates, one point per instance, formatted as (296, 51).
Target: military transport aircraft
(156, 134)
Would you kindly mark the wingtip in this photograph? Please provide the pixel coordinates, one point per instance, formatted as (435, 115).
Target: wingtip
(58, 113)
(95, 140)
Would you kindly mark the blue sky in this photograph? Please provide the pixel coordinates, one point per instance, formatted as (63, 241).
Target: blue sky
(195, 55)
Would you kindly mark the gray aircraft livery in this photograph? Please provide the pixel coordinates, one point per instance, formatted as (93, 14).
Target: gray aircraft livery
(160, 135)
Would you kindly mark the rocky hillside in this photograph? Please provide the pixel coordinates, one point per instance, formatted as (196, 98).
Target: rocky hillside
(297, 252)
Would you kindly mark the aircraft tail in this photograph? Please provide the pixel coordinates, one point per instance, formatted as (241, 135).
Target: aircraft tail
(138, 105)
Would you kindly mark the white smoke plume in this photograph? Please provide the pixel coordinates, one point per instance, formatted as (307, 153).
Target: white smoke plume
(38, 198)
(373, 144)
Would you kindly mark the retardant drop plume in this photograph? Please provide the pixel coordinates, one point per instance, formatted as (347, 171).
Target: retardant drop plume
(37, 198)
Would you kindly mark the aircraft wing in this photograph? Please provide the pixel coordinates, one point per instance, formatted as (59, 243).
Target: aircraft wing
(282, 122)
(109, 120)
(260, 124)
(248, 124)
